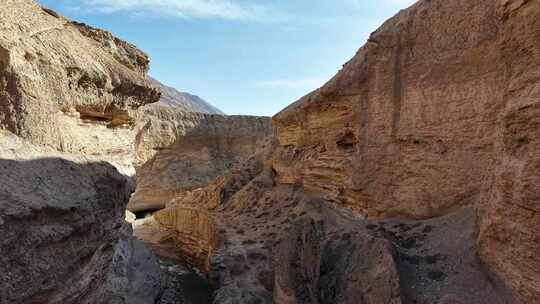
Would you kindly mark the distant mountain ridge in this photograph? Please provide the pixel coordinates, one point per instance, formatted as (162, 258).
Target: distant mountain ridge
(185, 101)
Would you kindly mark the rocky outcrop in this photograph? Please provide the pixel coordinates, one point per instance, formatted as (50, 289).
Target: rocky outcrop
(510, 211)
(420, 155)
(68, 86)
(183, 101)
(218, 192)
(275, 244)
(185, 151)
(64, 238)
(351, 269)
(194, 231)
(407, 126)
(421, 122)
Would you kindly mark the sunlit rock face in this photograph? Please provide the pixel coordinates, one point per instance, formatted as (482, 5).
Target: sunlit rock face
(407, 127)
(180, 151)
(68, 86)
(432, 124)
(438, 110)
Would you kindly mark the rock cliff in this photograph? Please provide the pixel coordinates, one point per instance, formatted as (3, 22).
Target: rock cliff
(407, 127)
(510, 210)
(64, 238)
(70, 96)
(69, 86)
(423, 148)
(183, 151)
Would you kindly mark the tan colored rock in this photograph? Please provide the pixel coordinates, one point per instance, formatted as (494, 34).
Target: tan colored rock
(218, 192)
(407, 126)
(185, 151)
(195, 233)
(68, 86)
(510, 212)
(436, 116)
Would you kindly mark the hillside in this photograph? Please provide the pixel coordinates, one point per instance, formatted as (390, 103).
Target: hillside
(183, 101)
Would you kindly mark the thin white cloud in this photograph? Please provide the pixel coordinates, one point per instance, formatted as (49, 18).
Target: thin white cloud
(293, 83)
(186, 9)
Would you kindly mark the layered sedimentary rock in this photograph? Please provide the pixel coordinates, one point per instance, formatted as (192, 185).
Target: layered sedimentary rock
(407, 127)
(194, 231)
(63, 235)
(184, 151)
(510, 211)
(419, 120)
(275, 244)
(68, 86)
(428, 137)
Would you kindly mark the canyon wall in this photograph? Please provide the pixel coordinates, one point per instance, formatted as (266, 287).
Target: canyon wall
(69, 98)
(68, 86)
(383, 186)
(427, 138)
(438, 110)
(407, 126)
(64, 239)
(509, 215)
(183, 151)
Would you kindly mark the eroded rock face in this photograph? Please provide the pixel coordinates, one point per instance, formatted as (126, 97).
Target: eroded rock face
(64, 238)
(407, 126)
(510, 211)
(194, 232)
(68, 86)
(185, 151)
(436, 117)
(438, 110)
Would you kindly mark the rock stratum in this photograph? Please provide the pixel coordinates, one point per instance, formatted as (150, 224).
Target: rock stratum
(68, 86)
(417, 164)
(181, 151)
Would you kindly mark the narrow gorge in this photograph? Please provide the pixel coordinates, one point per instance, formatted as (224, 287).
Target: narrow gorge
(412, 176)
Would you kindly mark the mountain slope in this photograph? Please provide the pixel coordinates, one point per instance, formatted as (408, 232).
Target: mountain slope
(185, 101)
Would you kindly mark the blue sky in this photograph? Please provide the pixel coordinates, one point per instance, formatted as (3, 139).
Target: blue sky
(245, 57)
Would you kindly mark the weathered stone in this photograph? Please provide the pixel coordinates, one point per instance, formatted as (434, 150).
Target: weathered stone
(510, 212)
(68, 86)
(184, 151)
(297, 265)
(407, 126)
(435, 117)
(195, 233)
(63, 233)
